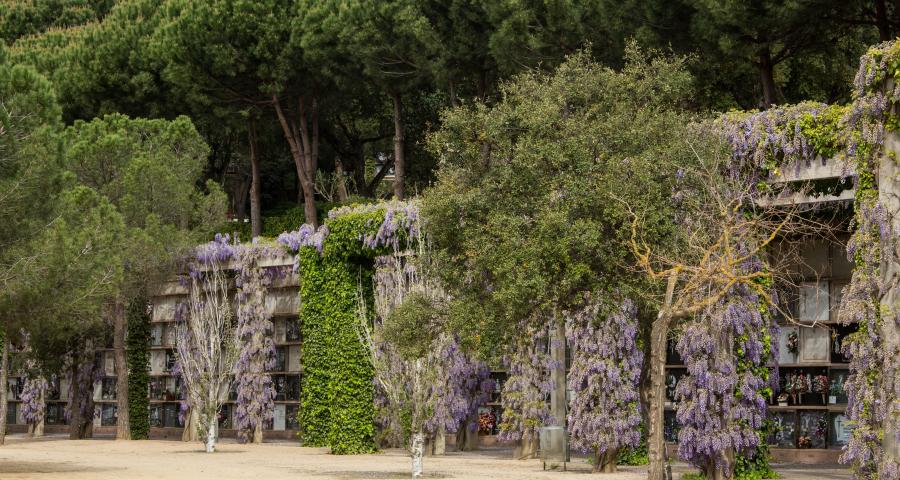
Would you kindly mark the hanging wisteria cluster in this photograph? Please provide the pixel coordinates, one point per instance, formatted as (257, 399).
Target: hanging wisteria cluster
(872, 382)
(873, 386)
(436, 393)
(305, 236)
(255, 390)
(605, 412)
(721, 403)
(757, 139)
(34, 388)
(527, 385)
(33, 397)
(464, 385)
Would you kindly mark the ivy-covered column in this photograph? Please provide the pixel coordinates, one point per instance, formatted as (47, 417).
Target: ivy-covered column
(337, 404)
(352, 428)
(337, 407)
(137, 352)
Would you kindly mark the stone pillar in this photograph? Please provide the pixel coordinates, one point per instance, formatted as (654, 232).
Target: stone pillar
(889, 198)
(558, 404)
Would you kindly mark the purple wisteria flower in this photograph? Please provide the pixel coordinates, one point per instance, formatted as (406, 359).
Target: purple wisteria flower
(604, 376)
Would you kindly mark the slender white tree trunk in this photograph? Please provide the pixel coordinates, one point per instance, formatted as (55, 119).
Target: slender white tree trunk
(211, 435)
(418, 451)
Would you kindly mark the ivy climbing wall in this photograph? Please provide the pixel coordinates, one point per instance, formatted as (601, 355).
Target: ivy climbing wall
(337, 404)
(137, 352)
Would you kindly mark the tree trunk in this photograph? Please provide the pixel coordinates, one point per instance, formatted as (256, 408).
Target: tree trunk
(309, 204)
(399, 149)
(37, 429)
(4, 385)
(766, 76)
(558, 373)
(81, 410)
(605, 462)
(467, 435)
(528, 447)
(258, 433)
(123, 425)
(881, 21)
(359, 171)
(714, 473)
(304, 151)
(417, 449)
(656, 395)
(454, 101)
(255, 186)
(440, 442)
(211, 435)
(190, 426)
(342, 193)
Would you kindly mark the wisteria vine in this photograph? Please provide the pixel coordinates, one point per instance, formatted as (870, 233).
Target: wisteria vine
(525, 408)
(605, 373)
(873, 387)
(255, 331)
(721, 400)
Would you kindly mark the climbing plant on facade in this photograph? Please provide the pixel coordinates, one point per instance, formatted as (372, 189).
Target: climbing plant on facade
(337, 404)
(255, 390)
(605, 372)
(872, 299)
(137, 349)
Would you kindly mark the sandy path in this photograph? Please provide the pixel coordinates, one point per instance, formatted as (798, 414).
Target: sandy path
(59, 458)
(101, 459)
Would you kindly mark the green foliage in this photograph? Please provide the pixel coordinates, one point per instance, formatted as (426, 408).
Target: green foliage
(410, 327)
(544, 177)
(635, 455)
(756, 466)
(150, 170)
(137, 351)
(824, 131)
(22, 18)
(337, 405)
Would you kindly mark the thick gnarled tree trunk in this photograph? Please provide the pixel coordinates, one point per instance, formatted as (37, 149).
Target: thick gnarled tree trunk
(605, 462)
(303, 138)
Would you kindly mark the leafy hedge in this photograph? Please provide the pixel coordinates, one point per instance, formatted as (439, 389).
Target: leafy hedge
(137, 352)
(337, 406)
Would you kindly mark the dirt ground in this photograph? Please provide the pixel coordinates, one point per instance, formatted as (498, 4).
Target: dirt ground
(59, 458)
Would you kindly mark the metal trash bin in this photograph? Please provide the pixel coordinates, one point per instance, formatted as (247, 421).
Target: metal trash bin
(554, 445)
